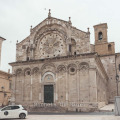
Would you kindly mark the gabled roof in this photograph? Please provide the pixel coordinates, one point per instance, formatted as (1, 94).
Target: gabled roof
(48, 18)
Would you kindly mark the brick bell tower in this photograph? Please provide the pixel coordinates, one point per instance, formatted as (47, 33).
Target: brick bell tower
(102, 46)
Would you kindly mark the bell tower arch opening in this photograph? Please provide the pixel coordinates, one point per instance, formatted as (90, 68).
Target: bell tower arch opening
(100, 36)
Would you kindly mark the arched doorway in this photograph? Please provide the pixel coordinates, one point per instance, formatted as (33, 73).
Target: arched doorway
(48, 94)
(48, 84)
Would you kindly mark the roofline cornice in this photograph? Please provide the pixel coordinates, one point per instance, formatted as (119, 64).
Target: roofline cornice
(70, 57)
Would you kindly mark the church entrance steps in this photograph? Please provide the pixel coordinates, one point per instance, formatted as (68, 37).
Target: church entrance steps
(107, 108)
(111, 101)
(61, 107)
(47, 109)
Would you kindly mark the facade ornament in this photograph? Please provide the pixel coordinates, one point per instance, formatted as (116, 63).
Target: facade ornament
(61, 68)
(88, 30)
(17, 42)
(70, 21)
(30, 28)
(49, 14)
(84, 66)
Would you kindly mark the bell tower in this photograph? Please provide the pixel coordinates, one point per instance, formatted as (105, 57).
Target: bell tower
(101, 33)
(102, 46)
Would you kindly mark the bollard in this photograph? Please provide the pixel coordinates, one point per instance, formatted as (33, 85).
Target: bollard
(117, 105)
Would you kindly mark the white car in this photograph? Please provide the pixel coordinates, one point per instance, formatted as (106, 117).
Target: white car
(13, 111)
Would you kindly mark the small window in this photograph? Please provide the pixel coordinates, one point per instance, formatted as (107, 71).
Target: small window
(10, 85)
(28, 72)
(109, 47)
(74, 53)
(14, 107)
(27, 58)
(7, 108)
(69, 48)
(100, 36)
(119, 67)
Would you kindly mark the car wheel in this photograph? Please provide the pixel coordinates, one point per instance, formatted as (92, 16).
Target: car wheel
(22, 116)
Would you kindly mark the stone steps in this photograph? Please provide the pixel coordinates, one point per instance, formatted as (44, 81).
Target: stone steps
(107, 108)
(48, 109)
(111, 101)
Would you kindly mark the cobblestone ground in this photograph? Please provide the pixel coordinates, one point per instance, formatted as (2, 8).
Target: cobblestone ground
(71, 117)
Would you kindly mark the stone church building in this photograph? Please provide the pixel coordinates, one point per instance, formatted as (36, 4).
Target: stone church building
(56, 64)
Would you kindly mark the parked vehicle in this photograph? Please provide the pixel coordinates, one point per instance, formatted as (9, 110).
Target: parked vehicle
(13, 111)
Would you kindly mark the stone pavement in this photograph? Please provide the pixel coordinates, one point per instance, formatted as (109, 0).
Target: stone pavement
(72, 117)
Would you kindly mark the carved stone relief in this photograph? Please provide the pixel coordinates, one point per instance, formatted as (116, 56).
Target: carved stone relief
(61, 68)
(35, 71)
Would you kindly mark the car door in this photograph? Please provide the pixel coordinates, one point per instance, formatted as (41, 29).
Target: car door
(15, 111)
(6, 112)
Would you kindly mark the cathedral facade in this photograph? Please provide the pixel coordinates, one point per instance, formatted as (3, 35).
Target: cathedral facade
(56, 64)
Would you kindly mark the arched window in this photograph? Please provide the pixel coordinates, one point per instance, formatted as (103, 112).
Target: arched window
(73, 47)
(109, 47)
(27, 72)
(28, 54)
(100, 36)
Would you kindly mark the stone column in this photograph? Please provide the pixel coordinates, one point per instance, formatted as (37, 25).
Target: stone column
(42, 93)
(93, 85)
(40, 89)
(67, 87)
(56, 99)
(78, 85)
(23, 86)
(31, 88)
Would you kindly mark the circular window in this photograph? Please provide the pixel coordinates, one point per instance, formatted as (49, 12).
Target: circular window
(28, 72)
(72, 69)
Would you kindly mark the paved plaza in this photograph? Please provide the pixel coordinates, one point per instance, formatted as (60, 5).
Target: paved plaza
(72, 117)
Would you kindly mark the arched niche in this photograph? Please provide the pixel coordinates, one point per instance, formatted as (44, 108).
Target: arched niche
(61, 68)
(27, 72)
(84, 66)
(48, 77)
(19, 72)
(35, 71)
(48, 67)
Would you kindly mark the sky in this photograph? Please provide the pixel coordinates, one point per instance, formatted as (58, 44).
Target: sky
(16, 17)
